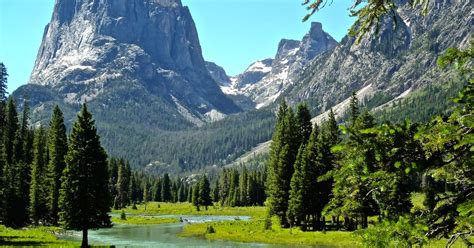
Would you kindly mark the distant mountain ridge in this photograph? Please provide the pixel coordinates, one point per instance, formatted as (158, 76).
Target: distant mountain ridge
(265, 80)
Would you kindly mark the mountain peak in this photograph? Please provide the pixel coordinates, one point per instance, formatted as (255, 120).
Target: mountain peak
(316, 27)
(316, 41)
(92, 46)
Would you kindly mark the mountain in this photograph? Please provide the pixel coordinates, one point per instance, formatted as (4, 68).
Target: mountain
(218, 73)
(394, 67)
(137, 63)
(153, 122)
(131, 52)
(264, 81)
(393, 72)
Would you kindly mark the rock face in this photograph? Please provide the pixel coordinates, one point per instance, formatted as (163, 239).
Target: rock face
(218, 74)
(93, 46)
(264, 81)
(394, 64)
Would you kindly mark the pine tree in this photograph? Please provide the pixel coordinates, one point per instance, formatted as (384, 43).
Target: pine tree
(296, 208)
(166, 189)
(83, 200)
(189, 192)
(174, 192)
(319, 162)
(354, 109)
(123, 184)
(204, 192)
(3, 185)
(252, 190)
(57, 152)
(3, 99)
(303, 122)
(146, 193)
(243, 181)
(224, 187)
(233, 198)
(38, 187)
(283, 152)
(157, 192)
(331, 130)
(215, 191)
(195, 196)
(15, 174)
(113, 175)
(181, 193)
(10, 131)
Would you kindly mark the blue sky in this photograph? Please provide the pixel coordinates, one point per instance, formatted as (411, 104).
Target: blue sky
(233, 33)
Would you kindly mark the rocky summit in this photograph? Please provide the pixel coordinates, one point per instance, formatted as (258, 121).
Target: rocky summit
(264, 81)
(92, 50)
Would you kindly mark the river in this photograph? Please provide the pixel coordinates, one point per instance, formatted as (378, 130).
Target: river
(162, 235)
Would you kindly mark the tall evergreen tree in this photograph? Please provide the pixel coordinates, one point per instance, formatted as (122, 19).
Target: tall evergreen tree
(296, 212)
(243, 183)
(166, 189)
(182, 193)
(195, 196)
(215, 191)
(303, 122)
(157, 192)
(233, 197)
(10, 130)
(3, 185)
(224, 187)
(38, 187)
(122, 198)
(58, 147)
(84, 201)
(3, 99)
(354, 110)
(16, 175)
(283, 152)
(204, 192)
(331, 130)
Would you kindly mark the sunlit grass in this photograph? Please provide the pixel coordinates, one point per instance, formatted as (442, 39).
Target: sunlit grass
(42, 236)
(189, 209)
(141, 220)
(253, 232)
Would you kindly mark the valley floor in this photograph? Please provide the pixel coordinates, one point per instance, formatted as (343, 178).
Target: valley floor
(42, 236)
(252, 231)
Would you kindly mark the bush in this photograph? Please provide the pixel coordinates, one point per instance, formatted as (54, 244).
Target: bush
(267, 225)
(403, 233)
(210, 229)
(123, 216)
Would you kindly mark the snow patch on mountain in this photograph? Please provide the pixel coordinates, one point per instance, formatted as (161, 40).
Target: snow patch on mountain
(341, 108)
(265, 80)
(260, 67)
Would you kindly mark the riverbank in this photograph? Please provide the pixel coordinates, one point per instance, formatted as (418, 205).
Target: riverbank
(142, 220)
(41, 236)
(160, 208)
(253, 231)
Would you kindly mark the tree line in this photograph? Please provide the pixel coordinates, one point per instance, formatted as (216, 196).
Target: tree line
(364, 168)
(47, 177)
(230, 188)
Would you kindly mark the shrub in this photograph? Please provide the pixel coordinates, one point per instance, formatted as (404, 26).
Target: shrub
(210, 229)
(123, 216)
(402, 233)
